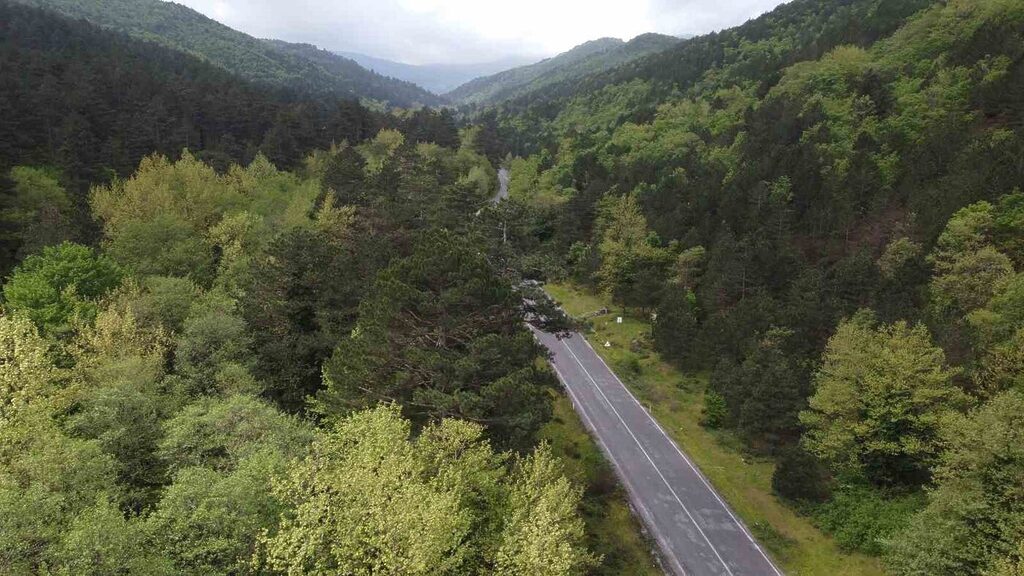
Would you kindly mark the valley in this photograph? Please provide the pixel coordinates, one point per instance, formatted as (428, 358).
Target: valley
(262, 297)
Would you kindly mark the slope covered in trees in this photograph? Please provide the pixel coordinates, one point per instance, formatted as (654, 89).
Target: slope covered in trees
(823, 208)
(83, 104)
(162, 405)
(280, 64)
(588, 58)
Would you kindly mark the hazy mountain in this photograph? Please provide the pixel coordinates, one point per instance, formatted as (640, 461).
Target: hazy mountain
(297, 66)
(587, 58)
(438, 78)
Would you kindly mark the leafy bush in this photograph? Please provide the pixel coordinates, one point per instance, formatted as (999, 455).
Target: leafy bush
(862, 518)
(715, 411)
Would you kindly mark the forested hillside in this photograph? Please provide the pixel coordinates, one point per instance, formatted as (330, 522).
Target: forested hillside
(264, 372)
(585, 59)
(823, 208)
(251, 326)
(89, 104)
(296, 66)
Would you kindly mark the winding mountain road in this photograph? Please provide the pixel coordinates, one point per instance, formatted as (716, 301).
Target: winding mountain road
(696, 531)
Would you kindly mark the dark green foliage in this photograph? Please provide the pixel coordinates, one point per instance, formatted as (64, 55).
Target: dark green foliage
(426, 125)
(675, 328)
(799, 476)
(764, 393)
(90, 101)
(345, 177)
(302, 299)
(442, 334)
(270, 62)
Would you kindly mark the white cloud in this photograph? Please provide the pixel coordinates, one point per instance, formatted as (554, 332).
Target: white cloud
(463, 31)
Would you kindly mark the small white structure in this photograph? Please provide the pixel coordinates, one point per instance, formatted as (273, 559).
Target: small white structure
(618, 319)
(607, 344)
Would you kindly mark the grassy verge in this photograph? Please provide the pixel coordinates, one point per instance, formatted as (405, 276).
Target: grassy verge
(612, 529)
(675, 399)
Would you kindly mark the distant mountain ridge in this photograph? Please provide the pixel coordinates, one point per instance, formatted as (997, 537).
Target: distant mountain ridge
(437, 78)
(587, 58)
(297, 66)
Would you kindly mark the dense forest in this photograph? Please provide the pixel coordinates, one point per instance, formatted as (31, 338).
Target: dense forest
(253, 326)
(823, 208)
(210, 365)
(90, 104)
(278, 64)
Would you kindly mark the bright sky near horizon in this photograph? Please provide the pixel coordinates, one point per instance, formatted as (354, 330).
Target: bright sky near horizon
(469, 31)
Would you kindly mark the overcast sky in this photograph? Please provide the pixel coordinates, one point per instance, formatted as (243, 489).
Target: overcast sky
(468, 31)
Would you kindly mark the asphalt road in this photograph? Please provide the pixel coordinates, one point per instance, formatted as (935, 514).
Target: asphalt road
(503, 177)
(696, 531)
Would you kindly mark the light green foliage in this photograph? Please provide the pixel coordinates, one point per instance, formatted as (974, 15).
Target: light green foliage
(26, 371)
(689, 267)
(380, 148)
(879, 399)
(239, 238)
(370, 500)
(601, 111)
(1012, 565)
(119, 398)
(1003, 313)
(162, 302)
(632, 264)
(543, 534)
(864, 518)
(60, 285)
(1009, 226)
(223, 455)
(967, 267)
(214, 348)
(219, 433)
(102, 542)
(366, 501)
(897, 255)
(975, 514)
(151, 220)
(1002, 367)
(523, 177)
(39, 210)
(46, 481)
(208, 521)
(171, 218)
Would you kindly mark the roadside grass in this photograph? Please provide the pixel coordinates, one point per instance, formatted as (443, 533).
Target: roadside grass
(675, 399)
(612, 530)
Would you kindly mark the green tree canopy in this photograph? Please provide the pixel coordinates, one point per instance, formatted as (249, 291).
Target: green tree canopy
(975, 514)
(59, 285)
(441, 334)
(879, 399)
(369, 499)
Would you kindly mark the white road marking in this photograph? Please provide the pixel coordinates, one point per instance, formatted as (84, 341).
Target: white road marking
(604, 448)
(728, 510)
(649, 459)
